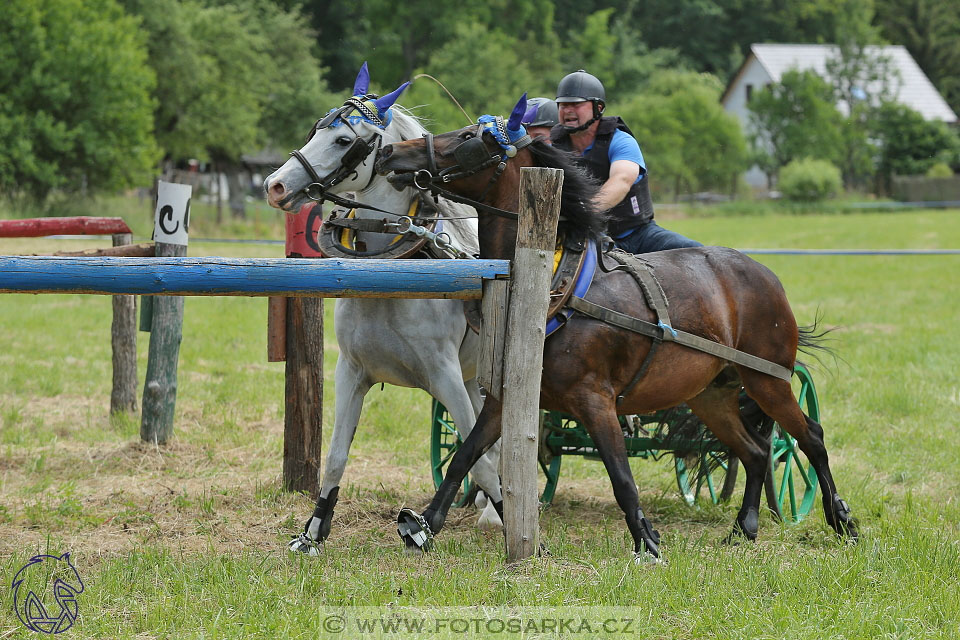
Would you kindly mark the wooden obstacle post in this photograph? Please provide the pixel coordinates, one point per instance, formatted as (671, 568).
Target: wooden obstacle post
(123, 339)
(302, 339)
(123, 331)
(166, 330)
(523, 356)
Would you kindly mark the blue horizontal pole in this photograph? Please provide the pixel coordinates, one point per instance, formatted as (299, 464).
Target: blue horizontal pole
(853, 252)
(211, 276)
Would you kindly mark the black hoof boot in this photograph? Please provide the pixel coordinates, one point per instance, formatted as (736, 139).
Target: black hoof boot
(317, 528)
(841, 519)
(414, 531)
(648, 547)
(744, 528)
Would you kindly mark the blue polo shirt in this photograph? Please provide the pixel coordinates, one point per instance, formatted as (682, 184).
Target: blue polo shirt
(623, 146)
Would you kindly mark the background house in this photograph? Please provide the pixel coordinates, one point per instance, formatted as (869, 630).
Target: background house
(766, 63)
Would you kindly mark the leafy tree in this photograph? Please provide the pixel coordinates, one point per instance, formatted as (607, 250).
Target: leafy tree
(76, 109)
(689, 142)
(795, 118)
(612, 49)
(214, 102)
(506, 75)
(911, 145)
(863, 77)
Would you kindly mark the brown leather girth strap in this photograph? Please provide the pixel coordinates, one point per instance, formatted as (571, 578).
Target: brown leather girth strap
(656, 299)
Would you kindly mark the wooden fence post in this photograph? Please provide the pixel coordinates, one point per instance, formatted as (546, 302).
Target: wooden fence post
(166, 331)
(303, 335)
(123, 339)
(523, 356)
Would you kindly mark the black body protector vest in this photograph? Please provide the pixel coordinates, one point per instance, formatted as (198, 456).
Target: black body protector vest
(636, 209)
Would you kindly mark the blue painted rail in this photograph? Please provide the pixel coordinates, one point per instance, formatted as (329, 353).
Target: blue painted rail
(211, 276)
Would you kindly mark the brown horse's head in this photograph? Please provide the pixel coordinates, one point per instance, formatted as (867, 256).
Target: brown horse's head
(465, 162)
(467, 158)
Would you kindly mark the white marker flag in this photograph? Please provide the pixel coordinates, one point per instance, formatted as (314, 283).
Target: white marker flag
(173, 213)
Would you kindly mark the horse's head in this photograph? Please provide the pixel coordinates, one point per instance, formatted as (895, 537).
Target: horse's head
(466, 161)
(340, 149)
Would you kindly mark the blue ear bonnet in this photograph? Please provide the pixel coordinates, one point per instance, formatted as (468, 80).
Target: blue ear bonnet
(370, 114)
(507, 134)
(505, 137)
(369, 107)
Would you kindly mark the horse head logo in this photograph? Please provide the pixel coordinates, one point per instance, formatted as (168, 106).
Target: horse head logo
(45, 593)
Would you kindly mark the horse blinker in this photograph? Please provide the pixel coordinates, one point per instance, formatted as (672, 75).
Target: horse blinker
(472, 155)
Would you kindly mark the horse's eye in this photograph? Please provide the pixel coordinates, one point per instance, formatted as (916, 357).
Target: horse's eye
(343, 141)
(466, 135)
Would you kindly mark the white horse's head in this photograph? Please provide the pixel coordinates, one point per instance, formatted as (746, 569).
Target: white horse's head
(341, 148)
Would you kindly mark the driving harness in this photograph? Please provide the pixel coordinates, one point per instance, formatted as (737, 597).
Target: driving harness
(574, 274)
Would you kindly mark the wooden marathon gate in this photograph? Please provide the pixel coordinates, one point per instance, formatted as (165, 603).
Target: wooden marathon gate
(123, 330)
(515, 299)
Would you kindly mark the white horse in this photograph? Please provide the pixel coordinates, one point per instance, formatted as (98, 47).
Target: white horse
(426, 343)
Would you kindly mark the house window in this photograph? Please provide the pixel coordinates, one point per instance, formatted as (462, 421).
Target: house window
(749, 91)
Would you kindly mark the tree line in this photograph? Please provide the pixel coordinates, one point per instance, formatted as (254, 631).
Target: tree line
(97, 95)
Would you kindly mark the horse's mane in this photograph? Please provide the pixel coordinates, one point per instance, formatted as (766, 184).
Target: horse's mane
(579, 216)
(460, 220)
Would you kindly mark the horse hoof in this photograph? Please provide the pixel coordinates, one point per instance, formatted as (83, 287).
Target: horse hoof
(303, 544)
(849, 531)
(489, 519)
(842, 521)
(644, 558)
(414, 531)
(480, 502)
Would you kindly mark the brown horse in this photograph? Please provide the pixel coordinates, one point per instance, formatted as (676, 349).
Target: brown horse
(713, 292)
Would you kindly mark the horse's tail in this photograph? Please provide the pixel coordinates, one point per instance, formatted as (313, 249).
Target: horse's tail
(681, 433)
(813, 340)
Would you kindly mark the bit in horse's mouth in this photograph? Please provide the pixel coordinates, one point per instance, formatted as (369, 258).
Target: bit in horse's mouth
(400, 179)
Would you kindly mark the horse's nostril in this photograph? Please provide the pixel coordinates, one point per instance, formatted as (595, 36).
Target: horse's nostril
(278, 188)
(386, 151)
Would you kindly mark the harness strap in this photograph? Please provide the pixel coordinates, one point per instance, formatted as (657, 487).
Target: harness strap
(361, 224)
(431, 154)
(690, 340)
(642, 272)
(418, 178)
(656, 299)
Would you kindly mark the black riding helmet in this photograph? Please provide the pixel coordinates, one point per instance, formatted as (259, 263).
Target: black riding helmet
(581, 86)
(546, 114)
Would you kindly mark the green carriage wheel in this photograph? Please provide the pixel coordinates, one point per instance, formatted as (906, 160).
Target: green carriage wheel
(550, 462)
(794, 478)
(444, 442)
(717, 484)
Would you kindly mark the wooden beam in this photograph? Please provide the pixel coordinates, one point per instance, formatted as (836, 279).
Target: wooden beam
(160, 385)
(76, 226)
(123, 341)
(142, 250)
(523, 356)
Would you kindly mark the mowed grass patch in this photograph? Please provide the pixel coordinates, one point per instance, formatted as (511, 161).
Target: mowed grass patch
(187, 540)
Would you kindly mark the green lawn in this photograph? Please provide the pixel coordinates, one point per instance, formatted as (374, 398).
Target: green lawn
(188, 540)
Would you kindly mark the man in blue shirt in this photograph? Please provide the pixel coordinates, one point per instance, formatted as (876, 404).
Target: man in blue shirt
(611, 154)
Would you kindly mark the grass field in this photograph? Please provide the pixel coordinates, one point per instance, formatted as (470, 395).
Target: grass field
(188, 540)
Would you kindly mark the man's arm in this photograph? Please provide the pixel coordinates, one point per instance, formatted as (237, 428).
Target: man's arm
(623, 173)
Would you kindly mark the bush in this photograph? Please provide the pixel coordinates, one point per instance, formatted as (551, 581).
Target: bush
(809, 180)
(940, 170)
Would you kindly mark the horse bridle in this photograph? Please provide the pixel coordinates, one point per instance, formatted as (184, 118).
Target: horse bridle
(358, 151)
(472, 157)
